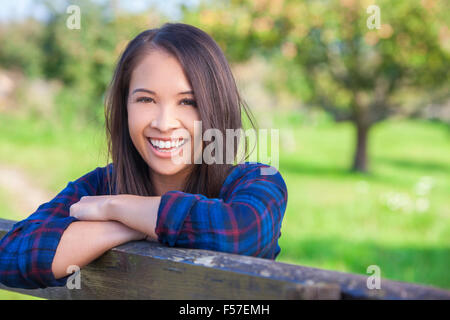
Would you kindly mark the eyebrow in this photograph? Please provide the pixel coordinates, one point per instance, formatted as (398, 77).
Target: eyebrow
(153, 92)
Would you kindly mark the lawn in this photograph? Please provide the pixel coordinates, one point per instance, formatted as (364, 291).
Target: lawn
(396, 217)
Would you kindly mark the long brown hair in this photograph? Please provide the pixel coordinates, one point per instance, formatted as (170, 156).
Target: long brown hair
(218, 101)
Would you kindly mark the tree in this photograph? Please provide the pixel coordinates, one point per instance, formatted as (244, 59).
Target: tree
(82, 59)
(328, 56)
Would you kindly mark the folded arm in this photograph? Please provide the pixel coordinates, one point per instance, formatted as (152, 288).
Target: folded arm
(36, 252)
(84, 241)
(245, 220)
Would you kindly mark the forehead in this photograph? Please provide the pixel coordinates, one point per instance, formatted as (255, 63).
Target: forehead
(159, 71)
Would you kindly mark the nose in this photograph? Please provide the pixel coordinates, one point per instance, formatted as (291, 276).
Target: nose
(165, 120)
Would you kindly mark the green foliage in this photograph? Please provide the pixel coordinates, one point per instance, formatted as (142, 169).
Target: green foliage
(82, 59)
(22, 53)
(324, 53)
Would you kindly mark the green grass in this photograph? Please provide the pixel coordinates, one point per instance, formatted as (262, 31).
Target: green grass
(63, 153)
(340, 220)
(335, 219)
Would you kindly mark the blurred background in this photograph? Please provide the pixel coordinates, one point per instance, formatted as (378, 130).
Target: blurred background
(360, 96)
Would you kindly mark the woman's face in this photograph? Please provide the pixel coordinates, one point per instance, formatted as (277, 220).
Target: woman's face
(161, 113)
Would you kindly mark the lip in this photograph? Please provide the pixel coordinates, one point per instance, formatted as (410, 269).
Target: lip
(165, 155)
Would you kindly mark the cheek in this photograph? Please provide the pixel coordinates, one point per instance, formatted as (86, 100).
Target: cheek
(193, 130)
(136, 125)
(189, 120)
(132, 125)
(137, 119)
(190, 124)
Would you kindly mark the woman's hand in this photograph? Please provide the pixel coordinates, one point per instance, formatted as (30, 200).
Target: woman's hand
(137, 212)
(92, 208)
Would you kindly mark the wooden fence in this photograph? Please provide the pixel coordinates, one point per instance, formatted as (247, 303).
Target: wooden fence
(145, 270)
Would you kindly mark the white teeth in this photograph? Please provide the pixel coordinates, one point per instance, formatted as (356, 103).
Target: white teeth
(167, 144)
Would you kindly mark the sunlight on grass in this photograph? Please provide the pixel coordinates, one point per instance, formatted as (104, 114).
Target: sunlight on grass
(345, 221)
(9, 295)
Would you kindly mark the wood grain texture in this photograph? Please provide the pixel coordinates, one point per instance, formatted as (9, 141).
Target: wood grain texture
(148, 270)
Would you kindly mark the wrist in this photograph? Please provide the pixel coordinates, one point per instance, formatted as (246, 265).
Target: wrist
(137, 212)
(111, 208)
(125, 233)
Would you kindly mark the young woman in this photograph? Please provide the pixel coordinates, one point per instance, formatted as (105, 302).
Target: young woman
(166, 80)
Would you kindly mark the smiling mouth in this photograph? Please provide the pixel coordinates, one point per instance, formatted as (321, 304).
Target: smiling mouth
(167, 145)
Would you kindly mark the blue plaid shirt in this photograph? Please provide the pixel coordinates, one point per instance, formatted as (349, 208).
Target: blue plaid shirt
(244, 219)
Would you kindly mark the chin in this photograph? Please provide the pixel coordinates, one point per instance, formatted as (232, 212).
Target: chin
(166, 168)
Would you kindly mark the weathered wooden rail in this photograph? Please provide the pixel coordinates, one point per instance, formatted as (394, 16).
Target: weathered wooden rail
(145, 270)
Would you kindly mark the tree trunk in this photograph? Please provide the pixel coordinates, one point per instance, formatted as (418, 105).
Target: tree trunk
(360, 157)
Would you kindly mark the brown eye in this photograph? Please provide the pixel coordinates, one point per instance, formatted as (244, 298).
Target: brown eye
(144, 99)
(189, 102)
